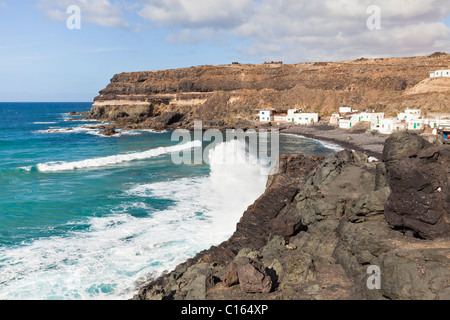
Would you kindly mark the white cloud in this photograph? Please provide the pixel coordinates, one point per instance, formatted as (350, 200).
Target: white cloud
(100, 12)
(196, 13)
(289, 30)
(336, 29)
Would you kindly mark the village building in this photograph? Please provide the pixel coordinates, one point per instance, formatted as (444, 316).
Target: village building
(345, 109)
(347, 122)
(440, 123)
(409, 114)
(373, 117)
(440, 73)
(391, 125)
(418, 124)
(302, 118)
(265, 115)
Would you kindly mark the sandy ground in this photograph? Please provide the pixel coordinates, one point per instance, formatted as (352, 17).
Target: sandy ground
(357, 140)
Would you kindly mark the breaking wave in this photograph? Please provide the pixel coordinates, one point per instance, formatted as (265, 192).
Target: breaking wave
(113, 160)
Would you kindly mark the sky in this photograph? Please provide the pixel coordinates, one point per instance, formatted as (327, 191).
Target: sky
(44, 58)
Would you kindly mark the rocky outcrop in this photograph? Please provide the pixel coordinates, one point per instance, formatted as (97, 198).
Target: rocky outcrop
(420, 190)
(229, 93)
(324, 224)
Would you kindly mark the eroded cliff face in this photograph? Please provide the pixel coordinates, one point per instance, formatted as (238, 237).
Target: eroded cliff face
(228, 92)
(323, 224)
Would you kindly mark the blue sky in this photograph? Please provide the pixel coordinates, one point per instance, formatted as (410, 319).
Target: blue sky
(42, 60)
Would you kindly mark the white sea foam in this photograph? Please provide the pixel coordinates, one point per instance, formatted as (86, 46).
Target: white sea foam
(69, 130)
(326, 144)
(152, 131)
(114, 160)
(331, 145)
(93, 130)
(118, 251)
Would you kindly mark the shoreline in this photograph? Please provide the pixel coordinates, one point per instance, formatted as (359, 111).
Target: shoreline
(372, 144)
(357, 140)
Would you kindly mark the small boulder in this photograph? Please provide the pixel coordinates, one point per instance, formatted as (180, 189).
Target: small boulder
(286, 225)
(402, 144)
(252, 276)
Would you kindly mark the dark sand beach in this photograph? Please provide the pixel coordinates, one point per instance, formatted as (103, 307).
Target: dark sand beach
(357, 140)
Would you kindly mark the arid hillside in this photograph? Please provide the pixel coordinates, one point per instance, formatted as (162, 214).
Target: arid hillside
(236, 91)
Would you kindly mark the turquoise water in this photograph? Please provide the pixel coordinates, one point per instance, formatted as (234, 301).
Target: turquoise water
(84, 216)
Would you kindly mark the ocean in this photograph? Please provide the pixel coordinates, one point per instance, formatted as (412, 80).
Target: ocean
(83, 216)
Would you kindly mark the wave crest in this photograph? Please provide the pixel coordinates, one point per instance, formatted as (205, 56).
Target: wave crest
(113, 160)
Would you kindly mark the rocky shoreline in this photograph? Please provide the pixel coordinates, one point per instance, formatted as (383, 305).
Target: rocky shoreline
(358, 140)
(323, 225)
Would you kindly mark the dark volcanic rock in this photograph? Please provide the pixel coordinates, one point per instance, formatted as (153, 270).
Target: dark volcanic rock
(109, 131)
(258, 222)
(168, 118)
(323, 222)
(420, 194)
(402, 144)
(253, 230)
(286, 225)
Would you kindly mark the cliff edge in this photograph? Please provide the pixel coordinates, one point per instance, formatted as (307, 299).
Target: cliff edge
(220, 95)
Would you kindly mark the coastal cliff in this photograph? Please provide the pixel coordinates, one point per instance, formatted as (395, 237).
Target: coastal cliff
(220, 95)
(324, 224)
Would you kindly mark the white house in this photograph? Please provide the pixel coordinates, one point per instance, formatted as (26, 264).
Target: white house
(265, 116)
(409, 114)
(439, 123)
(417, 124)
(373, 117)
(345, 123)
(440, 73)
(391, 125)
(345, 109)
(302, 118)
(349, 121)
